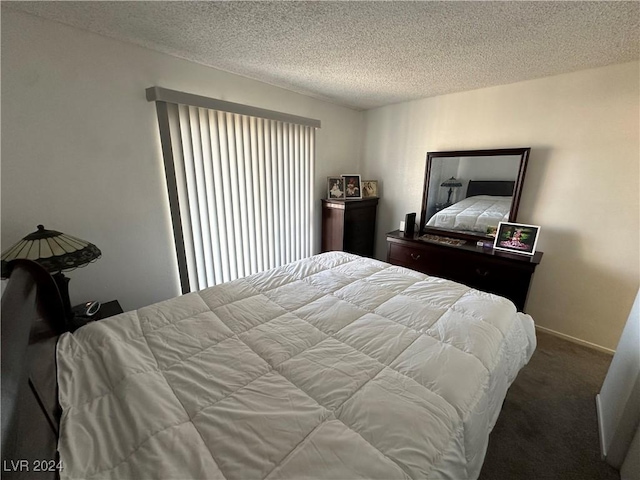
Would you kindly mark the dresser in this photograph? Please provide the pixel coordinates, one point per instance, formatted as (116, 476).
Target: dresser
(505, 274)
(349, 225)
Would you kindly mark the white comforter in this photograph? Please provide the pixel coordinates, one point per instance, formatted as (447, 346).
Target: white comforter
(473, 214)
(332, 367)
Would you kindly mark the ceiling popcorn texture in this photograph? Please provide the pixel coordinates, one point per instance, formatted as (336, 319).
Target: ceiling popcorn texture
(369, 54)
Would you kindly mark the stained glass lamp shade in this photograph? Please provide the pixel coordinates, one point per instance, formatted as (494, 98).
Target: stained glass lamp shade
(56, 252)
(451, 184)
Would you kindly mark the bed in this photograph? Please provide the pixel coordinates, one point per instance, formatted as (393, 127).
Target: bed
(335, 366)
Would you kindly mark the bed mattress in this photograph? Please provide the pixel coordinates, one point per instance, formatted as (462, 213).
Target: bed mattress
(473, 214)
(335, 366)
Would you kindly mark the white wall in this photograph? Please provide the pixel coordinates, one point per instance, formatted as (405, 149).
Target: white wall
(581, 184)
(81, 151)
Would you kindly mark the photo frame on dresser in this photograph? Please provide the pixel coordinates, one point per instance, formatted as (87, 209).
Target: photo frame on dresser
(335, 188)
(516, 238)
(369, 188)
(352, 186)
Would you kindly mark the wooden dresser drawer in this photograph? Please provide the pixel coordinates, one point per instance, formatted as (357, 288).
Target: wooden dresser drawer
(508, 280)
(406, 254)
(416, 257)
(478, 269)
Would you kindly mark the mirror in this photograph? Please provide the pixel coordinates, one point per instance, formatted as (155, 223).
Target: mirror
(466, 193)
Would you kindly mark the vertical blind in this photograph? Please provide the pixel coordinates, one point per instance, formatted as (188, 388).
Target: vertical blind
(242, 193)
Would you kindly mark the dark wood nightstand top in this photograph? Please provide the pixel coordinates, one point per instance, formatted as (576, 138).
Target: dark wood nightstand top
(107, 309)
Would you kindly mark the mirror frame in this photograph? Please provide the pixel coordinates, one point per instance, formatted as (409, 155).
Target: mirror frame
(517, 189)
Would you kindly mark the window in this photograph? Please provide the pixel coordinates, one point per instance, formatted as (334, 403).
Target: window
(240, 184)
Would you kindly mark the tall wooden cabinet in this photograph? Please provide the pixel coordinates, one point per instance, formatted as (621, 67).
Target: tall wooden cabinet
(349, 225)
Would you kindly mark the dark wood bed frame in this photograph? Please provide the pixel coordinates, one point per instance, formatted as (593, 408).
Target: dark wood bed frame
(498, 188)
(32, 320)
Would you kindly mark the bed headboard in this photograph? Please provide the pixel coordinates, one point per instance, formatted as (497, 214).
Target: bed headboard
(499, 188)
(32, 320)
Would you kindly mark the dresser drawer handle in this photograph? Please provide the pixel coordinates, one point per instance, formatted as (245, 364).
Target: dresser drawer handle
(482, 272)
(414, 256)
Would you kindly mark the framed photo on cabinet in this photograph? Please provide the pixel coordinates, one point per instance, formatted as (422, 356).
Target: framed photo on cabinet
(369, 188)
(352, 186)
(335, 188)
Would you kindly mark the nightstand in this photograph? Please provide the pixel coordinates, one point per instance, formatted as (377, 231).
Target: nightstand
(107, 309)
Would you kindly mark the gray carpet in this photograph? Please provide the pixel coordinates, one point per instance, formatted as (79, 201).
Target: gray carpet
(548, 427)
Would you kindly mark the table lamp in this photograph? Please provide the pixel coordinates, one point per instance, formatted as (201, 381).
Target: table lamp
(451, 183)
(57, 253)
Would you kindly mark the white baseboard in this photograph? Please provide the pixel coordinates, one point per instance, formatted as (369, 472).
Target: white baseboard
(575, 340)
(603, 450)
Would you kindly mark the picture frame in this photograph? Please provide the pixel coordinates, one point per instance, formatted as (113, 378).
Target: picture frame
(335, 188)
(516, 238)
(369, 188)
(352, 186)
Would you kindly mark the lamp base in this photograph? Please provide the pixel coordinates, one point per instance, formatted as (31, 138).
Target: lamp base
(62, 283)
(78, 316)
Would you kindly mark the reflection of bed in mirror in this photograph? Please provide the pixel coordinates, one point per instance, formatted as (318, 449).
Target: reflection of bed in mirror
(466, 192)
(486, 204)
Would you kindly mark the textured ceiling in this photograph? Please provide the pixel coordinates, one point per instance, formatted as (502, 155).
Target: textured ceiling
(369, 54)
